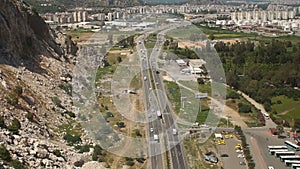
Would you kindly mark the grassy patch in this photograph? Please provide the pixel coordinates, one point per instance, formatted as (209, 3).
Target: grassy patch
(104, 71)
(150, 41)
(201, 117)
(173, 94)
(286, 108)
(71, 128)
(136, 82)
(225, 34)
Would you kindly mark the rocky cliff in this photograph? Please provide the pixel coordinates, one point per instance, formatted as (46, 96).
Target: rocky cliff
(24, 35)
(36, 119)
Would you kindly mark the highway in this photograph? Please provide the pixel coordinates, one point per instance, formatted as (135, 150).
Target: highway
(177, 157)
(156, 100)
(167, 124)
(155, 148)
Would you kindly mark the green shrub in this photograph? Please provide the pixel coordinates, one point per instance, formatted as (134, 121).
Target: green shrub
(2, 123)
(30, 116)
(84, 148)
(97, 152)
(15, 126)
(4, 153)
(121, 124)
(130, 163)
(140, 160)
(16, 164)
(72, 139)
(70, 113)
(79, 163)
(57, 153)
(56, 101)
(12, 99)
(18, 90)
(66, 87)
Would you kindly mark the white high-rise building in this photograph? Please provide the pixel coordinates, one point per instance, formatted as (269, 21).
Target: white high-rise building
(270, 15)
(285, 15)
(109, 16)
(240, 16)
(79, 16)
(278, 15)
(234, 16)
(75, 17)
(264, 16)
(291, 15)
(249, 15)
(256, 16)
(84, 16)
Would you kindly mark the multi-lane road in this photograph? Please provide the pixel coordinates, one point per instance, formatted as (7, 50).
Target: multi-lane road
(156, 100)
(155, 148)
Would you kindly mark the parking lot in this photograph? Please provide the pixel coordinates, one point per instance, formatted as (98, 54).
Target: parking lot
(258, 141)
(232, 161)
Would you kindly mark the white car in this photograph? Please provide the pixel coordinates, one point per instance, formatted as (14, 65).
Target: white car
(151, 129)
(241, 156)
(270, 167)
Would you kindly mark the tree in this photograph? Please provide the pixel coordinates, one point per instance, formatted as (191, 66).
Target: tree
(280, 129)
(200, 81)
(244, 108)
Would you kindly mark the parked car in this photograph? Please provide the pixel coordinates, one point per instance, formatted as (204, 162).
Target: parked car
(242, 163)
(224, 155)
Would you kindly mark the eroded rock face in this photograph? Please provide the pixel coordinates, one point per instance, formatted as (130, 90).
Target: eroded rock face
(31, 58)
(24, 35)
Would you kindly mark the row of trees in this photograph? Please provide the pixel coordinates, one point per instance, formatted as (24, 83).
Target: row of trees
(246, 150)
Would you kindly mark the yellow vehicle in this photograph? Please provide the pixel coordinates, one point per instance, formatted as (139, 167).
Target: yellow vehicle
(227, 136)
(238, 146)
(221, 142)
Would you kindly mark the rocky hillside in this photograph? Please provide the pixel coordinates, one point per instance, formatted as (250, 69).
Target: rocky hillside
(37, 125)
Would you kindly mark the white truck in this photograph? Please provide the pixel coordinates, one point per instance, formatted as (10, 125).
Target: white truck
(158, 113)
(174, 131)
(155, 137)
